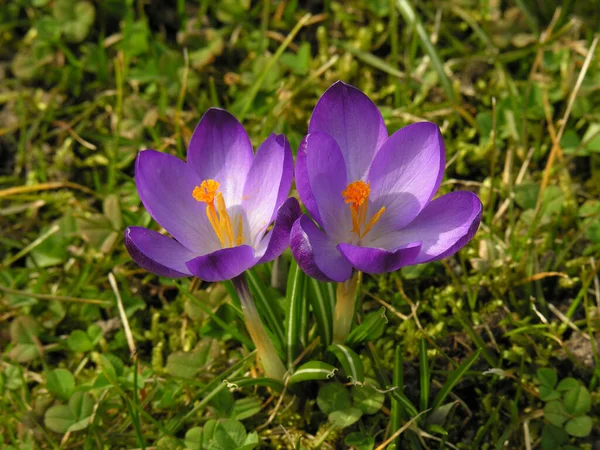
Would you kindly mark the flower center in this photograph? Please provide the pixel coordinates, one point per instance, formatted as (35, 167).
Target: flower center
(356, 195)
(208, 192)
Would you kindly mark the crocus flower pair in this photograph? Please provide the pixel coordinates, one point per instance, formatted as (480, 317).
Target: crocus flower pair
(369, 197)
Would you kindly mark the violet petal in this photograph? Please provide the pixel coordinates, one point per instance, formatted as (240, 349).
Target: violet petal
(157, 253)
(221, 150)
(222, 264)
(165, 185)
(278, 239)
(378, 260)
(316, 254)
(352, 119)
(268, 184)
(445, 226)
(405, 174)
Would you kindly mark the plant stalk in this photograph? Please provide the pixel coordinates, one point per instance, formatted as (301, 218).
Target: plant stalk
(267, 352)
(345, 305)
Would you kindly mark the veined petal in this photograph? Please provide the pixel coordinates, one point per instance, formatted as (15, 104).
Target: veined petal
(278, 239)
(268, 184)
(316, 254)
(326, 171)
(405, 174)
(352, 119)
(157, 253)
(378, 260)
(222, 264)
(165, 185)
(445, 226)
(303, 184)
(221, 150)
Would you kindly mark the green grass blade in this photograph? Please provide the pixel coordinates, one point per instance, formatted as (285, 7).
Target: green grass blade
(453, 379)
(372, 327)
(241, 382)
(410, 17)
(322, 310)
(294, 313)
(476, 339)
(424, 374)
(267, 306)
(261, 77)
(398, 382)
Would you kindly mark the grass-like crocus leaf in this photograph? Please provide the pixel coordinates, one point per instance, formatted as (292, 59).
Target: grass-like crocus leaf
(371, 328)
(311, 371)
(453, 379)
(240, 382)
(295, 311)
(318, 297)
(267, 307)
(424, 374)
(350, 362)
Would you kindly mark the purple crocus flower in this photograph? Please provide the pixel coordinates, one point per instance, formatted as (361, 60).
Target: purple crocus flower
(217, 206)
(371, 195)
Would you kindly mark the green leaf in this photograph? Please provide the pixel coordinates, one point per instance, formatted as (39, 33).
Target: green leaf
(333, 396)
(185, 365)
(60, 383)
(295, 311)
(246, 407)
(566, 384)
(456, 375)
(553, 437)
(547, 393)
(547, 377)
(577, 401)
(240, 382)
(230, 434)
(350, 361)
(79, 341)
(82, 406)
(75, 20)
(367, 398)
(59, 418)
(345, 417)
(359, 441)
(193, 438)
(555, 413)
(579, 426)
(312, 370)
(371, 328)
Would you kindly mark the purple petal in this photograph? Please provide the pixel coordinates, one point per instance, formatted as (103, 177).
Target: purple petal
(268, 184)
(445, 226)
(352, 119)
(220, 150)
(157, 253)
(405, 174)
(165, 185)
(223, 264)
(327, 176)
(316, 255)
(378, 260)
(303, 184)
(278, 239)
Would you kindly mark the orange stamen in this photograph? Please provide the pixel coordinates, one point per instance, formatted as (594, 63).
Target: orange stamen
(218, 217)
(356, 196)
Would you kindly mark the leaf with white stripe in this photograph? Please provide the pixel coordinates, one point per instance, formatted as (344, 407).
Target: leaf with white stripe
(295, 312)
(313, 370)
(350, 361)
(318, 296)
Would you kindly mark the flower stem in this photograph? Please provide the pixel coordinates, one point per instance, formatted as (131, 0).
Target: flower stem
(267, 352)
(344, 307)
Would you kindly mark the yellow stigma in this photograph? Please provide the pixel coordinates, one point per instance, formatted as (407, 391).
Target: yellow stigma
(356, 195)
(218, 217)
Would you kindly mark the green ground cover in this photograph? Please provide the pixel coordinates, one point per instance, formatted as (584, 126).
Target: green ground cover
(492, 348)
